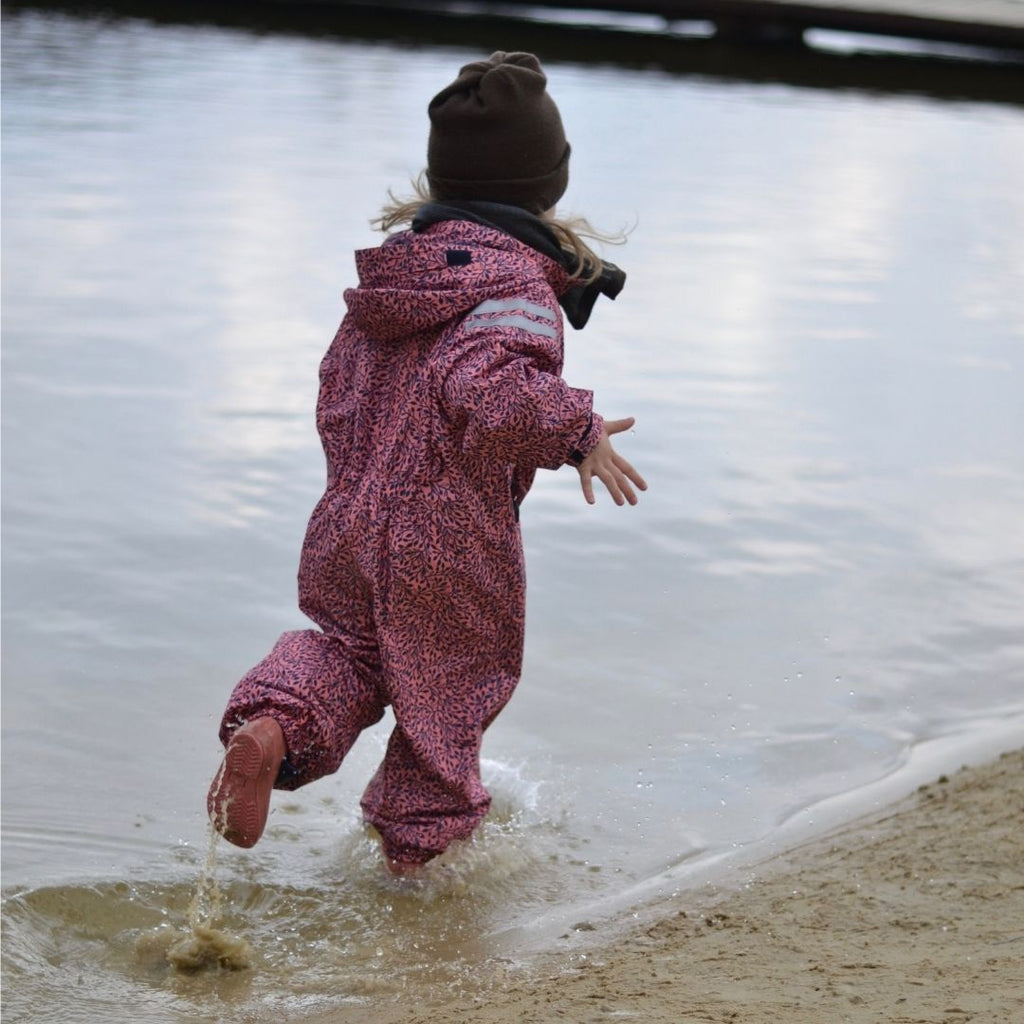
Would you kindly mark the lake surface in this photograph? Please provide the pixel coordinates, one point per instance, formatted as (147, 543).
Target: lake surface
(822, 339)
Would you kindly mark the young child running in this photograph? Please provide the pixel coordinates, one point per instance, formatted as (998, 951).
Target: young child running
(440, 397)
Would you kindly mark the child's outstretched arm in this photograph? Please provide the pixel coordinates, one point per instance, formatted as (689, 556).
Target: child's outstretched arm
(610, 468)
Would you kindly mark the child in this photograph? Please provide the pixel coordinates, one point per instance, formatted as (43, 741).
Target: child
(439, 398)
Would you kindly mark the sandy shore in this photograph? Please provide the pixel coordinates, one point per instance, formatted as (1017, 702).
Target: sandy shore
(912, 915)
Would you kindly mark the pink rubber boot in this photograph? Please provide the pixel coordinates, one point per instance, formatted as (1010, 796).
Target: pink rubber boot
(239, 799)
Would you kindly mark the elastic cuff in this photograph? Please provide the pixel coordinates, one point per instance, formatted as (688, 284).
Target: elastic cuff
(288, 777)
(588, 442)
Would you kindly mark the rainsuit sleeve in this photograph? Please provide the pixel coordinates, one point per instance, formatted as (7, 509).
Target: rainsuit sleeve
(502, 385)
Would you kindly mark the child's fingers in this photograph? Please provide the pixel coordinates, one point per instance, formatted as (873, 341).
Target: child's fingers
(613, 490)
(617, 426)
(611, 469)
(586, 482)
(627, 491)
(628, 471)
(617, 487)
(637, 479)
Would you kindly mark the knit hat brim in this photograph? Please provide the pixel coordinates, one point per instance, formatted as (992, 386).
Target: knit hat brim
(537, 194)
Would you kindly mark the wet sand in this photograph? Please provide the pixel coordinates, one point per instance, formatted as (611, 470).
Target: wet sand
(915, 914)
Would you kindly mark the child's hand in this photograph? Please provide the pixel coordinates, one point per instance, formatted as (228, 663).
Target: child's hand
(610, 468)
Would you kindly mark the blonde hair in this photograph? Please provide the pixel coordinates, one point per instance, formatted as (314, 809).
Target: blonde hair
(570, 232)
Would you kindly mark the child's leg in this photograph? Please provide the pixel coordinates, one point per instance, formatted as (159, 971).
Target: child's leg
(321, 691)
(422, 799)
(449, 670)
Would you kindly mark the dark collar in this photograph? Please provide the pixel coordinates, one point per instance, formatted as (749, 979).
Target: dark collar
(578, 300)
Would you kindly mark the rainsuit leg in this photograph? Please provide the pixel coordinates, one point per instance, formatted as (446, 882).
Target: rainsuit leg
(451, 646)
(321, 689)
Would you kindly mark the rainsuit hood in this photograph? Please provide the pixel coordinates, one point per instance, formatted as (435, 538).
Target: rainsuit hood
(422, 280)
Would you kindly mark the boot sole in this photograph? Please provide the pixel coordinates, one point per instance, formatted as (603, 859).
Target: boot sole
(238, 806)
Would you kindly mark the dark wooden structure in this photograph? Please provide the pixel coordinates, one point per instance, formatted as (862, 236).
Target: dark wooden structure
(983, 23)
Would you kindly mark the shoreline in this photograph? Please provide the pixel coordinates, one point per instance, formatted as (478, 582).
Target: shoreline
(913, 913)
(925, 760)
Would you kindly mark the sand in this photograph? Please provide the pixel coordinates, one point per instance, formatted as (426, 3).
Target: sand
(915, 914)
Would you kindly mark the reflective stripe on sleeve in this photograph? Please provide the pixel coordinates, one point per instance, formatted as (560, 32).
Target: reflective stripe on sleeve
(476, 323)
(512, 314)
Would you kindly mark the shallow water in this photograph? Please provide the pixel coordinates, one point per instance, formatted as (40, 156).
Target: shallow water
(820, 339)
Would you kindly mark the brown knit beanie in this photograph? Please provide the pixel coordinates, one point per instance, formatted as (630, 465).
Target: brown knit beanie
(496, 134)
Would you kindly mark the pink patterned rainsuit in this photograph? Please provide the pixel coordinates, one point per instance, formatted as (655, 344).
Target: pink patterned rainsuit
(440, 397)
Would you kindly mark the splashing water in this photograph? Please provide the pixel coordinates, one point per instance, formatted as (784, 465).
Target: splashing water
(326, 928)
(202, 945)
